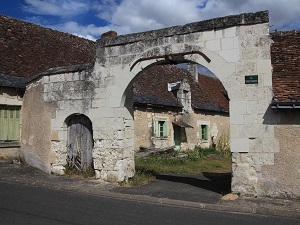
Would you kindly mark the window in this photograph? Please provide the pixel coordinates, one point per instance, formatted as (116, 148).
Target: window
(204, 132)
(161, 128)
(9, 123)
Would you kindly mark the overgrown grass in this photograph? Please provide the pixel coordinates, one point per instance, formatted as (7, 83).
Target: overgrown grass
(195, 161)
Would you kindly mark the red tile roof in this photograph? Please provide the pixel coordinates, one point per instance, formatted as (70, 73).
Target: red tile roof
(27, 49)
(150, 87)
(285, 56)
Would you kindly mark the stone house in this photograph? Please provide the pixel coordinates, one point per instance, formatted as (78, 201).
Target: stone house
(172, 108)
(79, 94)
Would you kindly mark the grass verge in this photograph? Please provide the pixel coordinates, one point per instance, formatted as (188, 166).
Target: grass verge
(197, 161)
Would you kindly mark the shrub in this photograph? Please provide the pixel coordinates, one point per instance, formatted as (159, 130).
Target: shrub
(223, 144)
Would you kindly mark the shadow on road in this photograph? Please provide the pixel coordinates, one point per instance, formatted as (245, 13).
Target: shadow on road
(216, 182)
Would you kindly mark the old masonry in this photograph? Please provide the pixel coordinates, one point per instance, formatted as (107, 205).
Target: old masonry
(94, 102)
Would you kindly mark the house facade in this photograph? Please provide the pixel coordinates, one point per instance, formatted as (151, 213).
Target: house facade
(172, 109)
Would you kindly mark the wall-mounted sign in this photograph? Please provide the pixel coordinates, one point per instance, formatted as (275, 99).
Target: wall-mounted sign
(251, 79)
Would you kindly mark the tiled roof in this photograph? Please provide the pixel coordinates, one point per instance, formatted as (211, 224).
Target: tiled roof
(150, 87)
(12, 81)
(285, 56)
(27, 49)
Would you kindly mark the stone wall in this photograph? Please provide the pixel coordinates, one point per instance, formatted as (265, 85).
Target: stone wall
(82, 91)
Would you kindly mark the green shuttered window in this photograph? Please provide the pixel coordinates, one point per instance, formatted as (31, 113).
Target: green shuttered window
(204, 132)
(161, 129)
(9, 123)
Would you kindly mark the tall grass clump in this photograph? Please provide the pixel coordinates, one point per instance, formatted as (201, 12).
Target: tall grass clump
(223, 144)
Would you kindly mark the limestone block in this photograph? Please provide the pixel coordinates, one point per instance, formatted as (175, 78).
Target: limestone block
(47, 87)
(57, 78)
(208, 35)
(236, 119)
(225, 70)
(270, 144)
(267, 80)
(129, 123)
(97, 174)
(119, 135)
(269, 131)
(251, 130)
(76, 76)
(239, 145)
(227, 43)
(236, 42)
(230, 32)
(129, 142)
(255, 145)
(250, 119)
(246, 68)
(258, 107)
(54, 135)
(234, 131)
(237, 107)
(264, 66)
(263, 158)
(213, 45)
(46, 79)
(230, 55)
(98, 103)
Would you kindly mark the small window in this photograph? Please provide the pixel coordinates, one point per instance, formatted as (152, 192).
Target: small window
(161, 128)
(204, 132)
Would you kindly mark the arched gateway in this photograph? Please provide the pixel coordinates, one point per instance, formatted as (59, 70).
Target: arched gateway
(235, 48)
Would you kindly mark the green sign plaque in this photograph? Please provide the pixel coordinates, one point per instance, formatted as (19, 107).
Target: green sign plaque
(251, 79)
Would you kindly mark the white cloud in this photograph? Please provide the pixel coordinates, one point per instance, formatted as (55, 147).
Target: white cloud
(129, 16)
(61, 8)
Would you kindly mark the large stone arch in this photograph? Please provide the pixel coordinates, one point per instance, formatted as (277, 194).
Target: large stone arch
(233, 48)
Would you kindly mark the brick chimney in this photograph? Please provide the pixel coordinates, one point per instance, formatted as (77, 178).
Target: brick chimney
(109, 34)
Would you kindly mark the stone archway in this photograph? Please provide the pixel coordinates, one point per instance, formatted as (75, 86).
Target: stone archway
(235, 48)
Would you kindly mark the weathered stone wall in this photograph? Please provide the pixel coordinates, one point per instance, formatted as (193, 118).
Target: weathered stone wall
(36, 128)
(61, 94)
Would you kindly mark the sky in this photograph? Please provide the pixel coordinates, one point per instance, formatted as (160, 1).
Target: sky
(91, 18)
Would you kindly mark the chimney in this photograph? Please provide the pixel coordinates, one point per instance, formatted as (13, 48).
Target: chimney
(109, 34)
(193, 69)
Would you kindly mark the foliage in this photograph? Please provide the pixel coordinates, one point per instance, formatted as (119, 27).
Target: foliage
(194, 161)
(140, 178)
(223, 144)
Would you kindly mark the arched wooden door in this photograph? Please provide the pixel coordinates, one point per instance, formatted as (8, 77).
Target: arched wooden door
(80, 142)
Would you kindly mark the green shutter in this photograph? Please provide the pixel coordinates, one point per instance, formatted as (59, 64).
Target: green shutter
(165, 129)
(9, 124)
(203, 131)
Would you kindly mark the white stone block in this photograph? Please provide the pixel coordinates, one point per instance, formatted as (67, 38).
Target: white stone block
(208, 35)
(239, 145)
(230, 32)
(234, 131)
(230, 55)
(264, 66)
(57, 78)
(237, 107)
(98, 103)
(227, 43)
(213, 45)
(236, 119)
(270, 145)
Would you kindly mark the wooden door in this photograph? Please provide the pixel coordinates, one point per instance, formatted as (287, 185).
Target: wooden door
(177, 137)
(80, 142)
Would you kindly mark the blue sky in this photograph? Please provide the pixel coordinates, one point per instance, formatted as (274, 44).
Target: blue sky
(91, 18)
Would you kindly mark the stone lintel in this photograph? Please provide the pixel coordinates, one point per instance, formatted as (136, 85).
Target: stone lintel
(212, 24)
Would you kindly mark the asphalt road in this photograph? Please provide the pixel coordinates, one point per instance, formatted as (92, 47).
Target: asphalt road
(20, 204)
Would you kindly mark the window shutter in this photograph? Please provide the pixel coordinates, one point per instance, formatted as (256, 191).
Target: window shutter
(165, 129)
(156, 129)
(205, 132)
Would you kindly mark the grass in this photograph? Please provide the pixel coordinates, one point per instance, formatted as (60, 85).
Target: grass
(195, 161)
